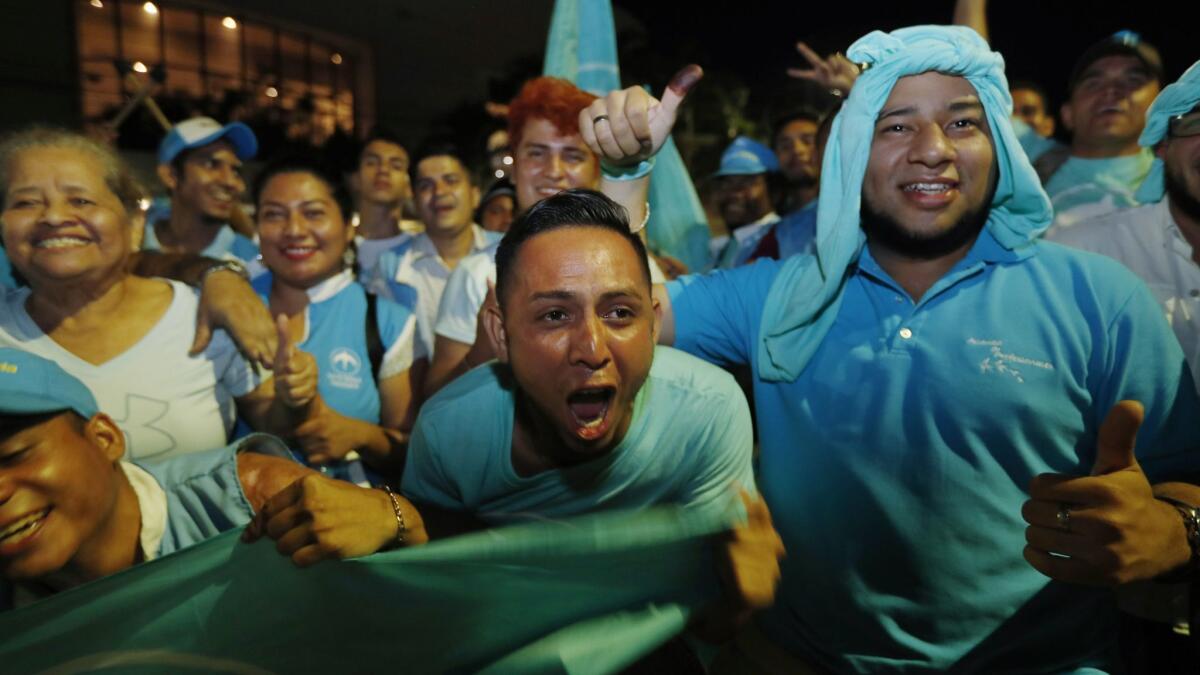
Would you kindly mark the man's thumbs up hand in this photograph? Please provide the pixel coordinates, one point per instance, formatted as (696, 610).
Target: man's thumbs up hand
(1117, 438)
(629, 125)
(1107, 528)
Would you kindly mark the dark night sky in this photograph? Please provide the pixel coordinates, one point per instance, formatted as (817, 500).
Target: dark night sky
(1039, 40)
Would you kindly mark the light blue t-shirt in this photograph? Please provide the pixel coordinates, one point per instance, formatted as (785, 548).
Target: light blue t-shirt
(896, 464)
(1084, 188)
(689, 443)
(335, 335)
(226, 245)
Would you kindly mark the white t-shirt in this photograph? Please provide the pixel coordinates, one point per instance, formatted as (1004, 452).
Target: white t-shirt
(369, 250)
(1147, 241)
(166, 402)
(414, 275)
(458, 311)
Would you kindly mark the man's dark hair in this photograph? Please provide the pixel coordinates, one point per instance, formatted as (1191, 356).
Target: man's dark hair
(570, 208)
(380, 134)
(1014, 85)
(803, 113)
(440, 148)
(316, 169)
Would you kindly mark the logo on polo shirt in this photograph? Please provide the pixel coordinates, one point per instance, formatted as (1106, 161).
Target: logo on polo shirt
(1000, 362)
(345, 368)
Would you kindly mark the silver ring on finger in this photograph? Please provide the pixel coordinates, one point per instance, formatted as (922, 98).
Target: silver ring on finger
(1064, 517)
(598, 119)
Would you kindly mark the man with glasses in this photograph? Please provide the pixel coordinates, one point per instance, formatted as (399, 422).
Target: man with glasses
(1160, 240)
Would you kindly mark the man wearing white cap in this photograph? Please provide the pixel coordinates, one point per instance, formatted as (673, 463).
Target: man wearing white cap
(1158, 240)
(200, 162)
(743, 200)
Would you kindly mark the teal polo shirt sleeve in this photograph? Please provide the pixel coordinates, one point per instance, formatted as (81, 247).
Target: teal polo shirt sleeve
(717, 315)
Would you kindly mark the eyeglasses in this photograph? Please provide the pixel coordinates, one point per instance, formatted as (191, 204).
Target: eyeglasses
(1187, 124)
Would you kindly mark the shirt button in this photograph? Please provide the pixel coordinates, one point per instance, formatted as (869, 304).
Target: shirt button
(905, 333)
(1195, 293)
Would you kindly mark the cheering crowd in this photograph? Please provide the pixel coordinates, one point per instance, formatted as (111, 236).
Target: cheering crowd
(969, 350)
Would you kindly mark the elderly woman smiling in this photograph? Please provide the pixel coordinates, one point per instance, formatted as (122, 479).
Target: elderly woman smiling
(70, 225)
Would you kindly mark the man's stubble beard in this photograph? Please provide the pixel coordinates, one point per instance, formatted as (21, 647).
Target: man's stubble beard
(1177, 192)
(886, 231)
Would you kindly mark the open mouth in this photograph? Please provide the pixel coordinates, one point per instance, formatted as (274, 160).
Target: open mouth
(23, 527)
(589, 407)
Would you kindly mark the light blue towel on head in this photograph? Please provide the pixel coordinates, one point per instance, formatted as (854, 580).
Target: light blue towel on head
(1174, 100)
(805, 297)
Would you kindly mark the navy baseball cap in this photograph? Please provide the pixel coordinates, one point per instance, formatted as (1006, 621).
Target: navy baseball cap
(1121, 43)
(31, 385)
(746, 157)
(200, 131)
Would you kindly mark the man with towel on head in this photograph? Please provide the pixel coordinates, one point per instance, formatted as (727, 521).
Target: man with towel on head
(944, 402)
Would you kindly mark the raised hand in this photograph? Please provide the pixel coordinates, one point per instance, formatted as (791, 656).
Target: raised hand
(295, 370)
(1107, 528)
(629, 125)
(835, 72)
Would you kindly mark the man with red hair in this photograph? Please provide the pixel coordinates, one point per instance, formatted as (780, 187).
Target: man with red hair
(551, 154)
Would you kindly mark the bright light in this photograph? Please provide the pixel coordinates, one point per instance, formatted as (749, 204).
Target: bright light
(272, 92)
(499, 173)
(336, 59)
(143, 203)
(229, 22)
(140, 67)
(97, 4)
(150, 8)
(507, 161)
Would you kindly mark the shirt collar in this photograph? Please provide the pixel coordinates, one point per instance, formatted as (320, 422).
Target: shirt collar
(330, 287)
(744, 232)
(152, 503)
(423, 246)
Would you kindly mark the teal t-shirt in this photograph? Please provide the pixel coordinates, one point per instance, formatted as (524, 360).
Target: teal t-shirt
(690, 443)
(1083, 188)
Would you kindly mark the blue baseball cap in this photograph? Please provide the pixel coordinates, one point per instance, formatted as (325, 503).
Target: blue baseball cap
(745, 157)
(200, 131)
(31, 385)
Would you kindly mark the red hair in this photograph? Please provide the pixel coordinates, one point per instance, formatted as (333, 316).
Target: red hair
(549, 98)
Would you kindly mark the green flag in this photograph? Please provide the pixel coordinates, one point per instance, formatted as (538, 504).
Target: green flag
(582, 48)
(587, 595)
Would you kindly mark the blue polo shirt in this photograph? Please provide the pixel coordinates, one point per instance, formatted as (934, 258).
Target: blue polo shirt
(896, 464)
(6, 278)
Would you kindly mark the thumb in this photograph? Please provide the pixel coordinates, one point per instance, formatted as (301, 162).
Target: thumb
(1117, 438)
(203, 334)
(678, 88)
(283, 353)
